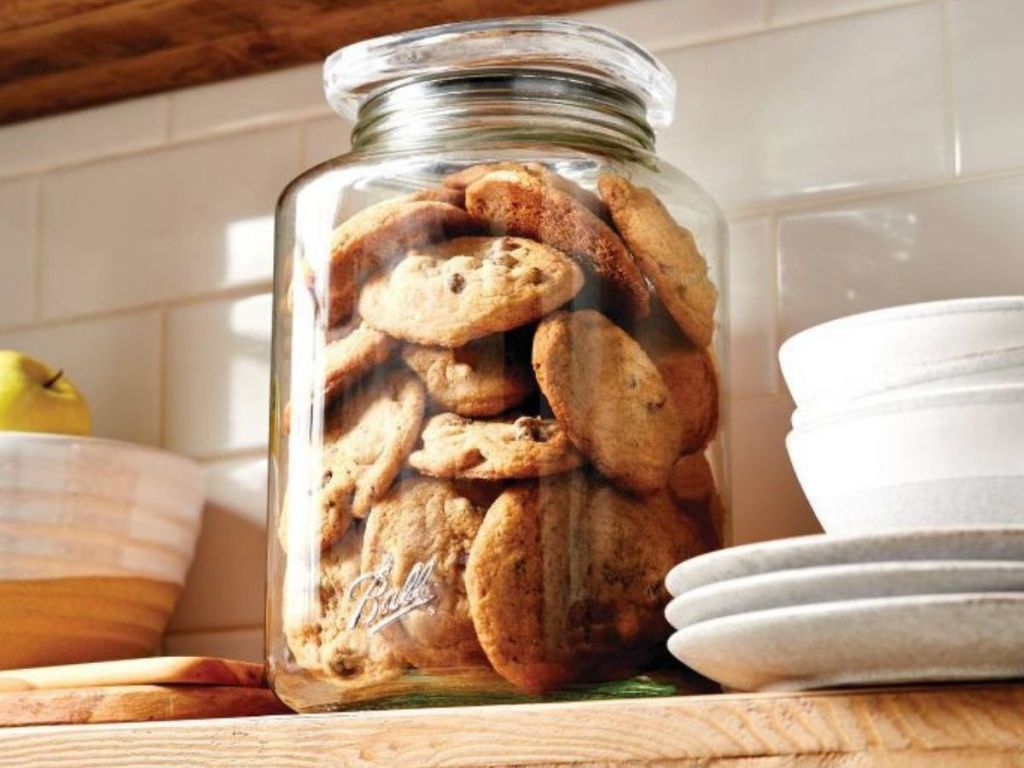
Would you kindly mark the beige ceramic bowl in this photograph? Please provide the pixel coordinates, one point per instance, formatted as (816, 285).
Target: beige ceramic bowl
(96, 537)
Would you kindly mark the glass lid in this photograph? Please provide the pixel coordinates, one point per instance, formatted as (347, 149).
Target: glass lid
(538, 43)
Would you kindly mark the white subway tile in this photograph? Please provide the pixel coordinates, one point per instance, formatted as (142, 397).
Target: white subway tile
(849, 103)
(174, 223)
(115, 363)
(225, 586)
(988, 59)
(85, 135)
(238, 644)
(662, 24)
(753, 339)
(767, 502)
(18, 213)
(942, 243)
(324, 139)
(217, 376)
(796, 11)
(289, 94)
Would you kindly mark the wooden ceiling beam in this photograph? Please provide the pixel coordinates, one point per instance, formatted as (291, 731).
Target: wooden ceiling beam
(59, 55)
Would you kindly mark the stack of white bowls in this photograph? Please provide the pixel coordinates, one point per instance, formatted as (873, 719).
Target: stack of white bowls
(96, 538)
(911, 417)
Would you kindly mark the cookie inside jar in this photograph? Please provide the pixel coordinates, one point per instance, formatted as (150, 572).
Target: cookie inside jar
(496, 423)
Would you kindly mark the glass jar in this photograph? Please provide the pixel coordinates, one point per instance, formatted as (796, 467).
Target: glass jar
(495, 381)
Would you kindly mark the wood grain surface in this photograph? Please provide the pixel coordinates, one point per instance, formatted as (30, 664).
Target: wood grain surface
(133, 703)
(57, 55)
(937, 727)
(163, 670)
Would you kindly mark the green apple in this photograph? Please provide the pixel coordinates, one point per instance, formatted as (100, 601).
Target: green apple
(37, 398)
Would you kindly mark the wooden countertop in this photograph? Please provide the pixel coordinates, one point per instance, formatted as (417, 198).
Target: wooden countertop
(940, 727)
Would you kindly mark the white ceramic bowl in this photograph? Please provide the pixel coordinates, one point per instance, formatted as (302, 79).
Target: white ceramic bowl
(96, 538)
(940, 459)
(935, 344)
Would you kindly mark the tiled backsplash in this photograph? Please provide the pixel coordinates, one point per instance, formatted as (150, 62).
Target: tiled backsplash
(867, 152)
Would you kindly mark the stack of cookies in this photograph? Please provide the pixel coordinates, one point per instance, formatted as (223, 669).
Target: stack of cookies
(518, 393)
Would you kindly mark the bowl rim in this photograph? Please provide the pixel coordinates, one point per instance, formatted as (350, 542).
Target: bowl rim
(184, 463)
(962, 306)
(902, 401)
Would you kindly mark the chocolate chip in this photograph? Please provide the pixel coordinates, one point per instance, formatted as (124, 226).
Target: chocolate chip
(456, 283)
(655, 405)
(535, 276)
(530, 429)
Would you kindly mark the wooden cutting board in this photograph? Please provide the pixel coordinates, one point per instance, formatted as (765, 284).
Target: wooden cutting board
(163, 688)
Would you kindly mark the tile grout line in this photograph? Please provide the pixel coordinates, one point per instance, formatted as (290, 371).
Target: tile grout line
(161, 387)
(949, 87)
(37, 251)
(797, 24)
(198, 299)
(168, 116)
(256, 125)
(156, 146)
(825, 200)
(301, 160)
(776, 256)
(116, 154)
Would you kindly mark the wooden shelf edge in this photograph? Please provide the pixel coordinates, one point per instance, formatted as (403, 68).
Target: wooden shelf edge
(961, 725)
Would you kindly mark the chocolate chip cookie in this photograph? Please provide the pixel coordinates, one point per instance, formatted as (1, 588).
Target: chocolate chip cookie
(367, 437)
(318, 621)
(417, 542)
(465, 177)
(667, 254)
(566, 576)
(689, 372)
(453, 292)
(609, 397)
(483, 378)
(693, 486)
(350, 353)
(380, 233)
(519, 203)
(456, 447)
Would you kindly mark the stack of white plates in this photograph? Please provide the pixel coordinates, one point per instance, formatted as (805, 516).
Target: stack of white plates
(822, 611)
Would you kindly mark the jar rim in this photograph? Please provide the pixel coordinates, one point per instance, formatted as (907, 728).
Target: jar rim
(354, 73)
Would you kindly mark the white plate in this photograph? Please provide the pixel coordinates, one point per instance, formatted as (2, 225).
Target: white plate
(994, 543)
(829, 583)
(860, 642)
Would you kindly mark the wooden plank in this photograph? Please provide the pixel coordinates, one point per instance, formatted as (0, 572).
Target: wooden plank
(134, 703)
(21, 14)
(163, 670)
(74, 54)
(940, 726)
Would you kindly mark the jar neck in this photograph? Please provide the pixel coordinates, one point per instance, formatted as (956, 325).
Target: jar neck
(466, 110)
